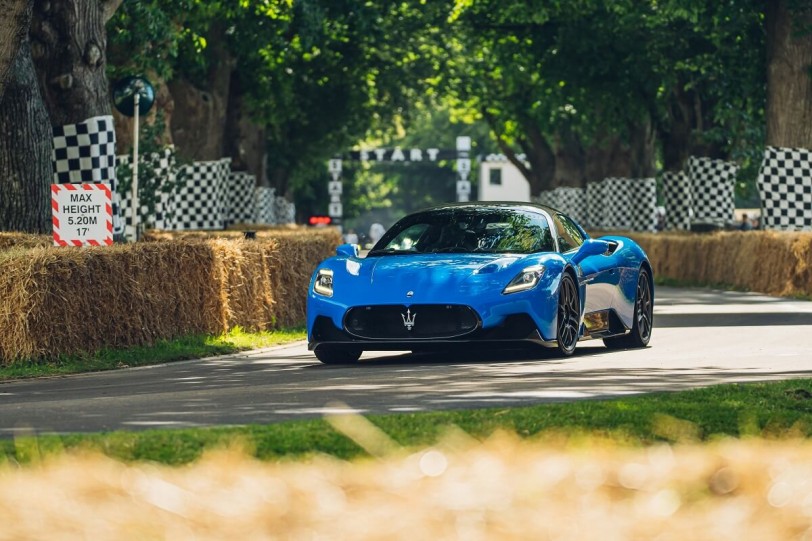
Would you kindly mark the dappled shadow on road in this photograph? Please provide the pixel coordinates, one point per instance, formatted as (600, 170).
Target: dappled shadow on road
(265, 389)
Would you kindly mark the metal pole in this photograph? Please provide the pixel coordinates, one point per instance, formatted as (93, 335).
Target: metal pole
(135, 169)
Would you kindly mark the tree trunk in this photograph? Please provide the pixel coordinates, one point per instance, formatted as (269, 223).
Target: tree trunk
(198, 123)
(789, 84)
(569, 160)
(683, 134)
(244, 140)
(14, 24)
(25, 151)
(279, 178)
(69, 44)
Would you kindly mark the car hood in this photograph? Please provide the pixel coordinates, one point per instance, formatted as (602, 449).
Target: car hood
(433, 277)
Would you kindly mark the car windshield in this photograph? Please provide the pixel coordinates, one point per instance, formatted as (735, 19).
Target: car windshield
(468, 229)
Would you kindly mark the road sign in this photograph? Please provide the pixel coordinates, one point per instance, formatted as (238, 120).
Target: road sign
(82, 214)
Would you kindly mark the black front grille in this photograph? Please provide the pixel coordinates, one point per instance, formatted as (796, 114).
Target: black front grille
(418, 321)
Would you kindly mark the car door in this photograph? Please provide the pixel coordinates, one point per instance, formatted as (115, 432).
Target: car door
(599, 273)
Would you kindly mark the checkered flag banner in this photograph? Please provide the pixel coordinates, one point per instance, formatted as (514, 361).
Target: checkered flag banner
(548, 198)
(199, 202)
(241, 186)
(678, 202)
(163, 164)
(264, 198)
(785, 187)
(643, 203)
(595, 205)
(572, 202)
(618, 203)
(712, 189)
(569, 200)
(285, 211)
(86, 153)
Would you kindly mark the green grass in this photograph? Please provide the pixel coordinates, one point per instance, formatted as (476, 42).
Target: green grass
(765, 409)
(188, 347)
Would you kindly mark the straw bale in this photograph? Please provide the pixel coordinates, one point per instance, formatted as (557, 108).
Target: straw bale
(69, 300)
(23, 240)
(776, 263)
(502, 488)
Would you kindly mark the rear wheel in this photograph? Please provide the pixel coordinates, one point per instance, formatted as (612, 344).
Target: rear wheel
(338, 355)
(642, 323)
(569, 316)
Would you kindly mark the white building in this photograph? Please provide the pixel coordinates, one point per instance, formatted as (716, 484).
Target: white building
(500, 180)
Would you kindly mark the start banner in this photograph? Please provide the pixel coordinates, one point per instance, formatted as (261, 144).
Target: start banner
(82, 214)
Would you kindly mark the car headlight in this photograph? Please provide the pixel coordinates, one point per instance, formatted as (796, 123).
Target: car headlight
(527, 279)
(324, 283)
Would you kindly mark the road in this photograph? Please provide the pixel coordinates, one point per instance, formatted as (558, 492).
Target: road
(701, 338)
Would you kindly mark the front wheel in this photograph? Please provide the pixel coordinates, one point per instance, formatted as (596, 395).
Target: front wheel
(338, 355)
(643, 321)
(569, 316)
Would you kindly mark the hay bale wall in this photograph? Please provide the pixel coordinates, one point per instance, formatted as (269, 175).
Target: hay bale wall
(68, 300)
(776, 263)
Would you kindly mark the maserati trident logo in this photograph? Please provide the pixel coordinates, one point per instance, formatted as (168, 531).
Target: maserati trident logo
(408, 319)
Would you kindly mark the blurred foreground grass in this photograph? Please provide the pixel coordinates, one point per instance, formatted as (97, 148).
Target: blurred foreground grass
(506, 487)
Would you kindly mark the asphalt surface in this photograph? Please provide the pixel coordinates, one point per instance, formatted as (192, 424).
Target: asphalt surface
(701, 337)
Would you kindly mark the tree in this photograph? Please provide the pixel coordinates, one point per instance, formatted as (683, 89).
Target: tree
(583, 88)
(557, 82)
(789, 74)
(25, 134)
(14, 26)
(69, 46)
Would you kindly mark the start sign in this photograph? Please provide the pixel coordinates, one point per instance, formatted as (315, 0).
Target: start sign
(82, 214)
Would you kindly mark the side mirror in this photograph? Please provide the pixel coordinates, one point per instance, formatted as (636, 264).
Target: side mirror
(589, 248)
(348, 250)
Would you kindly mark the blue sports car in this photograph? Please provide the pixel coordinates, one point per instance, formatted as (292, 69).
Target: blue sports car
(476, 274)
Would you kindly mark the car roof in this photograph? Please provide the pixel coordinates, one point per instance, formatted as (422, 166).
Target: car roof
(512, 205)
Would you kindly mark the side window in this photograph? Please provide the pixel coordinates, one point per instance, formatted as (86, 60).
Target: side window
(407, 238)
(569, 236)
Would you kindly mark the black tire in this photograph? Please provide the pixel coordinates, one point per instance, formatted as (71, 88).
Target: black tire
(643, 321)
(338, 355)
(568, 324)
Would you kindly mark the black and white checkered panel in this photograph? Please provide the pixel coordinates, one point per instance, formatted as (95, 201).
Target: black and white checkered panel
(712, 188)
(785, 188)
(164, 166)
(199, 202)
(678, 201)
(86, 153)
(595, 205)
(284, 211)
(241, 186)
(643, 203)
(617, 198)
(572, 202)
(264, 198)
(549, 198)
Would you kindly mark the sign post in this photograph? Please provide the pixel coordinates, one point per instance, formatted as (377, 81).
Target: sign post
(134, 96)
(335, 211)
(82, 214)
(463, 168)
